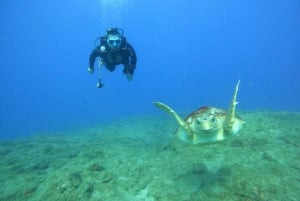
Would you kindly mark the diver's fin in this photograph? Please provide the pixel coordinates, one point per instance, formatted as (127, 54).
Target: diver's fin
(231, 112)
(170, 111)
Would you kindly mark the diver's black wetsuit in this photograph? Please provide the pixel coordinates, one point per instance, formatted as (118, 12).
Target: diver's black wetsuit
(124, 55)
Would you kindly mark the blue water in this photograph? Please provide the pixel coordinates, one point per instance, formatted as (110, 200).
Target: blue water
(190, 53)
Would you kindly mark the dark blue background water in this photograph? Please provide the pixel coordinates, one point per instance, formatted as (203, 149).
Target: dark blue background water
(190, 53)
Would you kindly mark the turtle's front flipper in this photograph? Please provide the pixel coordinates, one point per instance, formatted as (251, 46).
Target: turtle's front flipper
(231, 112)
(170, 111)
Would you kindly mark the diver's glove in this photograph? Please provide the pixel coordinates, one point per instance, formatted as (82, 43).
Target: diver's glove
(129, 76)
(90, 70)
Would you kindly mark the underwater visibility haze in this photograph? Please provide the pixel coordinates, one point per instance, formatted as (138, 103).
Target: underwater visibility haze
(62, 138)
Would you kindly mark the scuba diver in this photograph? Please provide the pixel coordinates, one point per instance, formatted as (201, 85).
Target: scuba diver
(113, 50)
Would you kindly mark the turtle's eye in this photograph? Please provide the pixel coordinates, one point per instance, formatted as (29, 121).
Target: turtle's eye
(198, 123)
(213, 119)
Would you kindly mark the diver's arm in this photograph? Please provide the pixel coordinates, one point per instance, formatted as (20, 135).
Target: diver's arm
(132, 60)
(93, 56)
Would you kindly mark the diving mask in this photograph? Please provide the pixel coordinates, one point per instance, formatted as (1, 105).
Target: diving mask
(114, 41)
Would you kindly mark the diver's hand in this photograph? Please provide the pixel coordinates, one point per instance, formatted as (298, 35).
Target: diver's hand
(129, 76)
(90, 70)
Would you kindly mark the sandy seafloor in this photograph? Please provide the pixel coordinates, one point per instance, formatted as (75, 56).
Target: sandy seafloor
(137, 159)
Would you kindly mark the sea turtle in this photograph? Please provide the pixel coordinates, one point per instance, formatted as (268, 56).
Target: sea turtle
(207, 124)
